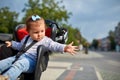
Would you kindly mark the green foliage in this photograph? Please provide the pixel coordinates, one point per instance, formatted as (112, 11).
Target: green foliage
(74, 35)
(71, 36)
(48, 9)
(112, 40)
(94, 43)
(3, 30)
(7, 20)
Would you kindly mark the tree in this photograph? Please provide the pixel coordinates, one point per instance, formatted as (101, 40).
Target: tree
(7, 20)
(71, 35)
(74, 35)
(48, 9)
(95, 43)
(112, 40)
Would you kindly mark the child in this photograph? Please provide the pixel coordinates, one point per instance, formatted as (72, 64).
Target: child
(35, 26)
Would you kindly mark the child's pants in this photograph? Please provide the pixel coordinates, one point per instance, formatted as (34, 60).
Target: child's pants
(23, 64)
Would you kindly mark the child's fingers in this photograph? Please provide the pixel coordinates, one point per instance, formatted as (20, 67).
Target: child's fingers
(7, 43)
(73, 53)
(71, 43)
(76, 48)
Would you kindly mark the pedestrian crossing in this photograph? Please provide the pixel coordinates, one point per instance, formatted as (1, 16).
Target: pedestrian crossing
(68, 71)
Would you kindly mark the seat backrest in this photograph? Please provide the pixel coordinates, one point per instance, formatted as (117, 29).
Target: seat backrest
(53, 31)
(59, 34)
(20, 32)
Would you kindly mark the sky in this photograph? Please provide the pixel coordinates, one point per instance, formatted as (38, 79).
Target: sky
(94, 18)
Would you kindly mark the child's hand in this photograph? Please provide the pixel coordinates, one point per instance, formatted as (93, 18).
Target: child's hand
(8, 43)
(3, 77)
(71, 49)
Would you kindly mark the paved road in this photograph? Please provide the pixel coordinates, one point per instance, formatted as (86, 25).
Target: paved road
(67, 67)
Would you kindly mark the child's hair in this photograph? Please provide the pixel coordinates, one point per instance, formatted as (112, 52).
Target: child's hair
(34, 21)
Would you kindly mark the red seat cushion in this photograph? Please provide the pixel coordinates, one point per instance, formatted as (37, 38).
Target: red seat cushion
(22, 32)
(48, 32)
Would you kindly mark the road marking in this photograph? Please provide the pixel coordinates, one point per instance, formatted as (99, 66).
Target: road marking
(69, 71)
(72, 72)
(70, 75)
(98, 74)
(81, 69)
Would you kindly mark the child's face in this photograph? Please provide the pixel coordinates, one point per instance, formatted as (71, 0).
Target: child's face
(38, 32)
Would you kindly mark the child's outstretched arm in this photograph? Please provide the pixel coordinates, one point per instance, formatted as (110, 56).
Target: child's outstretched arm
(71, 49)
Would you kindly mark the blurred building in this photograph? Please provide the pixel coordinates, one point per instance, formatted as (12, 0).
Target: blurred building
(117, 37)
(104, 44)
